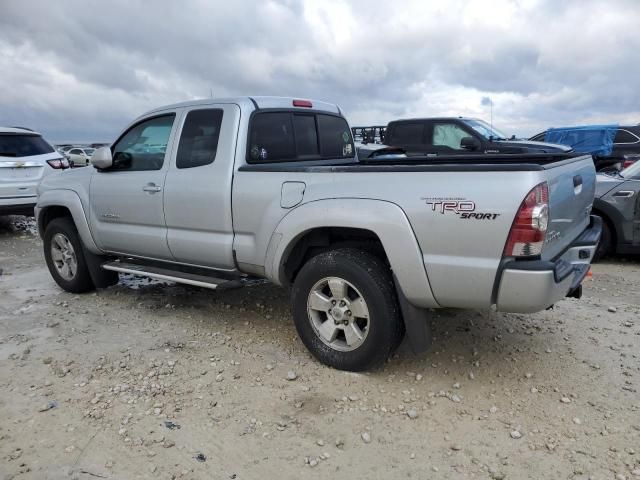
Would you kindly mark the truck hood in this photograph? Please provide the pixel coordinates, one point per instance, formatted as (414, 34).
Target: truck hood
(528, 146)
(606, 183)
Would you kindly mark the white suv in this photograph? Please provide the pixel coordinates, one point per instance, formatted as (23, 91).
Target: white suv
(25, 158)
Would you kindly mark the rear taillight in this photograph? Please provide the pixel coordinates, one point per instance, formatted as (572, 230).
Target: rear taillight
(58, 163)
(529, 228)
(629, 160)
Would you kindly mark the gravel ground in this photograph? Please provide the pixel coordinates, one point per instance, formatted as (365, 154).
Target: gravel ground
(153, 380)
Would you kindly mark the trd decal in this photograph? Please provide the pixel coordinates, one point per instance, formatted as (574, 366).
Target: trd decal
(480, 216)
(465, 209)
(452, 206)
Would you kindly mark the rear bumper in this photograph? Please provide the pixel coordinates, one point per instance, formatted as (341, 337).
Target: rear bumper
(528, 286)
(18, 205)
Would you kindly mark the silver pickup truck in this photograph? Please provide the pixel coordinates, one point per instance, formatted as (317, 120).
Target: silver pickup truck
(209, 192)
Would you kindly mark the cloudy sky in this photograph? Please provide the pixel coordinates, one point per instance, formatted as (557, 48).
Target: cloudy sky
(81, 70)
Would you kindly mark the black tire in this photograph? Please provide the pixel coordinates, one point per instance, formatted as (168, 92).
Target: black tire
(81, 281)
(372, 278)
(606, 242)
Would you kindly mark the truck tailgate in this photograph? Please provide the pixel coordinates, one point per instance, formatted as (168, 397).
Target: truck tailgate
(571, 191)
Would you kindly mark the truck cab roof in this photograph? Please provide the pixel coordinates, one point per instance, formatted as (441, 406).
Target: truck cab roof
(254, 103)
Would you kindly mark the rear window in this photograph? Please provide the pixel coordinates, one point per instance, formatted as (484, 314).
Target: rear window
(22, 145)
(625, 136)
(306, 134)
(408, 133)
(335, 137)
(290, 136)
(272, 137)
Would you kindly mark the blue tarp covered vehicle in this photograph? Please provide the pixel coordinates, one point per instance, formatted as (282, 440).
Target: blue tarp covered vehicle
(594, 139)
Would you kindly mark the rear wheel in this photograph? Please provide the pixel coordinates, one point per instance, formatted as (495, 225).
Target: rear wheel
(606, 242)
(65, 257)
(346, 310)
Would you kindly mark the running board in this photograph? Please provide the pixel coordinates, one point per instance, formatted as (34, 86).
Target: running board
(172, 275)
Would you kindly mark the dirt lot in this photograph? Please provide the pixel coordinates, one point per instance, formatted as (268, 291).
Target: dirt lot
(151, 380)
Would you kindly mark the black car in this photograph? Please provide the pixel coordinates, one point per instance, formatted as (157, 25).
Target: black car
(458, 135)
(617, 201)
(626, 148)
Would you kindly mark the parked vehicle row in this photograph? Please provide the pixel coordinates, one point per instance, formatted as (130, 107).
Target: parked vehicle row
(460, 135)
(275, 189)
(617, 196)
(78, 156)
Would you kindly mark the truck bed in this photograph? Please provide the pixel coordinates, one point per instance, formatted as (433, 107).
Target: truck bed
(461, 255)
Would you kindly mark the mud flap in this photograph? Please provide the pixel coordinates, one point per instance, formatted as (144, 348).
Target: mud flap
(100, 277)
(416, 323)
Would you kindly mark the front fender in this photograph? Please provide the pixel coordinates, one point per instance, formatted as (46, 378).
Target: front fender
(70, 200)
(385, 219)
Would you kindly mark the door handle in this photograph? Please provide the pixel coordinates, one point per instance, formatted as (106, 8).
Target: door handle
(577, 181)
(624, 194)
(151, 188)
(577, 184)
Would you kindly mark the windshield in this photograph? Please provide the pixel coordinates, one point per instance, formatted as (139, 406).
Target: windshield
(632, 171)
(484, 129)
(89, 151)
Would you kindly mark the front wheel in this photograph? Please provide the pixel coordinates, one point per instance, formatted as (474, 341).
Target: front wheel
(65, 257)
(346, 310)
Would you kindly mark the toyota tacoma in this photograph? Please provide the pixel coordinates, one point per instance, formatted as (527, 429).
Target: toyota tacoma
(210, 192)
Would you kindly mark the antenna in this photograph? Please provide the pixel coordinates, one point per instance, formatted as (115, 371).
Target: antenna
(491, 114)
(211, 92)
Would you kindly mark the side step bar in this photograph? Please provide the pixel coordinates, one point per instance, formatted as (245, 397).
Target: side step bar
(172, 275)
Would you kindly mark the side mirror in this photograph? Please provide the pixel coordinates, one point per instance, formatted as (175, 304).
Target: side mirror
(101, 158)
(470, 143)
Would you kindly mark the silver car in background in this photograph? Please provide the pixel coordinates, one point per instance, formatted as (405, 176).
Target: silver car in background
(25, 159)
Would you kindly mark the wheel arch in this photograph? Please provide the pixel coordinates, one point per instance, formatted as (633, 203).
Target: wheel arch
(377, 226)
(64, 203)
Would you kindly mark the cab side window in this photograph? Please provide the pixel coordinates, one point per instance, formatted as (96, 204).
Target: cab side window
(408, 133)
(448, 135)
(199, 139)
(144, 145)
